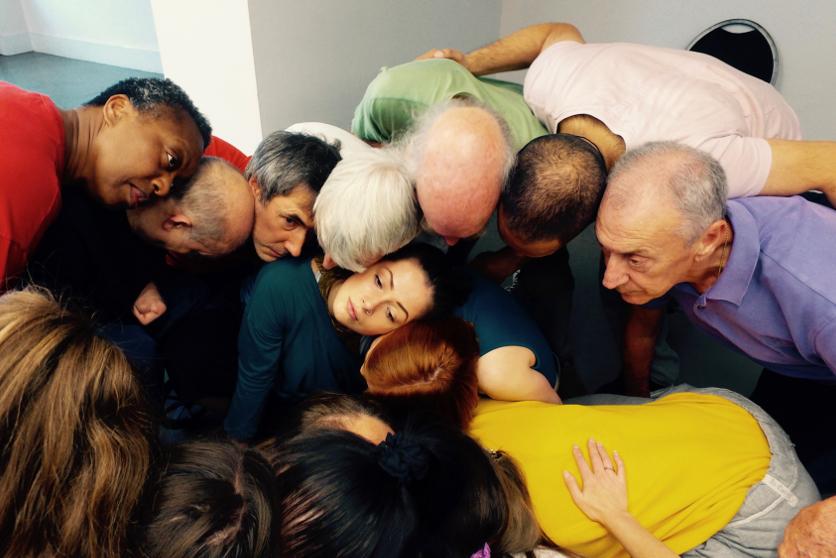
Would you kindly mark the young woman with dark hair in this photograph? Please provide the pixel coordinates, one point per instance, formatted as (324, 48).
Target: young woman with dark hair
(302, 325)
(211, 500)
(75, 434)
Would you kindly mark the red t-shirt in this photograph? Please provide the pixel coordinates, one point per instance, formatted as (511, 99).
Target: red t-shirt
(228, 152)
(31, 164)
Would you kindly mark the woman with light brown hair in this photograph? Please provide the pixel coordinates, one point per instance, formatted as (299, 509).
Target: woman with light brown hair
(74, 434)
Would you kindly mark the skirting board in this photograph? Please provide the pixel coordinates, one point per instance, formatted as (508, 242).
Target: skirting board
(15, 43)
(139, 59)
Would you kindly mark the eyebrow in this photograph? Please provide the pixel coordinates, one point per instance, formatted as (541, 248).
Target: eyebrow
(392, 286)
(290, 215)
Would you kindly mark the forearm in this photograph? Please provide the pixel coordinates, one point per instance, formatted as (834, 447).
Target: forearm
(640, 335)
(519, 49)
(636, 540)
(798, 166)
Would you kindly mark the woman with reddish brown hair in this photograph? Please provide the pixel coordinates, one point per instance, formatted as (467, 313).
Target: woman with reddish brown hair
(75, 436)
(427, 365)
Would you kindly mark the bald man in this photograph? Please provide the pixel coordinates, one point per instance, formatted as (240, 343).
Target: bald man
(459, 154)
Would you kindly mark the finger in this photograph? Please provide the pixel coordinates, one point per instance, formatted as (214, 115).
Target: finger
(605, 456)
(621, 471)
(594, 457)
(572, 485)
(583, 467)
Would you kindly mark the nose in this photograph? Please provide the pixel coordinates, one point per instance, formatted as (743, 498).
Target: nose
(294, 244)
(451, 240)
(161, 185)
(614, 274)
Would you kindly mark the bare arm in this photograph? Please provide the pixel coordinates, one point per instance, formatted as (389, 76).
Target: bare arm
(514, 52)
(506, 374)
(603, 499)
(640, 334)
(798, 166)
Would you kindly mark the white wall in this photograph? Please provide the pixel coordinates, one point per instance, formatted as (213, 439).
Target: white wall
(14, 35)
(118, 32)
(206, 48)
(805, 33)
(314, 58)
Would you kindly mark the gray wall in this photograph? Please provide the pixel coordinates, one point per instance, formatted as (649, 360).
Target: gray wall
(313, 59)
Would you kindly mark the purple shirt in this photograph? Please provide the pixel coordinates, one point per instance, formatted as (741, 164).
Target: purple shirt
(775, 300)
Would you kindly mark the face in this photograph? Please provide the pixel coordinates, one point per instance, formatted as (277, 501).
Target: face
(527, 248)
(644, 257)
(282, 224)
(382, 298)
(138, 155)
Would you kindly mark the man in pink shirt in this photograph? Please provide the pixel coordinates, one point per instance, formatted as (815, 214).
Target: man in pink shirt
(619, 96)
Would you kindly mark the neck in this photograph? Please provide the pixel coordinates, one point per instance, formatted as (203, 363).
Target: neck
(709, 271)
(80, 128)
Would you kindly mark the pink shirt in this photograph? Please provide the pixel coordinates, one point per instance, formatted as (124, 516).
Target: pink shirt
(645, 93)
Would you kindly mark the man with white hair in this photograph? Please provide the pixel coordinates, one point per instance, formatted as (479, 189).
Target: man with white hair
(756, 273)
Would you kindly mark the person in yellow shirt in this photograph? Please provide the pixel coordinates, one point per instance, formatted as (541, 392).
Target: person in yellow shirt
(710, 472)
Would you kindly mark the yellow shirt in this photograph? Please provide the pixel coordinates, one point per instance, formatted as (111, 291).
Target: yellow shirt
(690, 460)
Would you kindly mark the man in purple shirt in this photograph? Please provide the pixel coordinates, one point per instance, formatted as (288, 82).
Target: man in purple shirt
(758, 273)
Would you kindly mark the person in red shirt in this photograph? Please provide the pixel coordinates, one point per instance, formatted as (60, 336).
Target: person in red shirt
(124, 146)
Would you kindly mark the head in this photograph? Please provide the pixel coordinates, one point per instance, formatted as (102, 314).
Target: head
(420, 492)
(411, 283)
(210, 215)
(75, 440)
(459, 153)
(285, 174)
(211, 499)
(366, 209)
(427, 365)
(150, 133)
(552, 194)
(661, 219)
(343, 412)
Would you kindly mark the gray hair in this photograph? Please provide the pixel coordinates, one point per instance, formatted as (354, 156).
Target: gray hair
(413, 143)
(694, 180)
(284, 160)
(366, 209)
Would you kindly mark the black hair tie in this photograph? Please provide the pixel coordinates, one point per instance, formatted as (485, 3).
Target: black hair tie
(402, 458)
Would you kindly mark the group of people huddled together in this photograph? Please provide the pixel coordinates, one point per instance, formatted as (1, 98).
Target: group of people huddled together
(206, 354)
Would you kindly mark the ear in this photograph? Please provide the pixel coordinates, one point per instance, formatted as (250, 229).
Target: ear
(713, 238)
(255, 188)
(117, 107)
(327, 262)
(178, 221)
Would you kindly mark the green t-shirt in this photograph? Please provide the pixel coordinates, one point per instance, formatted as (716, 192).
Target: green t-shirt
(398, 95)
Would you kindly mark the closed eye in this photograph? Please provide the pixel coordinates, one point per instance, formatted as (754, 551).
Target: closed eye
(379, 284)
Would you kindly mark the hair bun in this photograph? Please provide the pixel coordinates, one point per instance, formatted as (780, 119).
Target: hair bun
(403, 458)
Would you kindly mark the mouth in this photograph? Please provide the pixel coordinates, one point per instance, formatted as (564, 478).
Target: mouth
(136, 195)
(352, 313)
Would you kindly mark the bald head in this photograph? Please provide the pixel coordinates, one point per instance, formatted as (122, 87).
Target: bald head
(211, 215)
(460, 155)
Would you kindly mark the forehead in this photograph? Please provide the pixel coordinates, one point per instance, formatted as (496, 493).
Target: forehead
(176, 124)
(299, 200)
(529, 248)
(631, 230)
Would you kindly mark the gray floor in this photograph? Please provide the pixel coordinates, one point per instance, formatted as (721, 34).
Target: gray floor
(703, 361)
(68, 82)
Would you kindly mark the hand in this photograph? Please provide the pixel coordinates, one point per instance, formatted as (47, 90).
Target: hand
(812, 532)
(448, 53)
(604, 493)
(149, 305)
